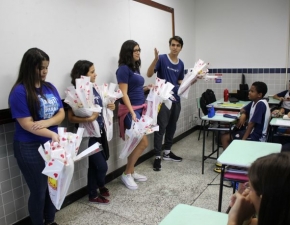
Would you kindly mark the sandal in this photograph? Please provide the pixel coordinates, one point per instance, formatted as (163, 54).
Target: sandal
(218, 164)
(218, 170)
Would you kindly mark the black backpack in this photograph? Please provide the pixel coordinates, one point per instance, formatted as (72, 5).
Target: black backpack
(207, 97)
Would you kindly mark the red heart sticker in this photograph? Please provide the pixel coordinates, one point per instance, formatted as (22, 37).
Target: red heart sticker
(62, 156)
(46, 152)
(55, 175)
(50, 164)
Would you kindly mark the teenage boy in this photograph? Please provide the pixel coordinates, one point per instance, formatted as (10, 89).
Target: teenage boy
(170, 68)
(258, 114)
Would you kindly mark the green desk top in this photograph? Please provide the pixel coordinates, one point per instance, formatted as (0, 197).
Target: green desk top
(190, 215)
(244, 153)
(220, 104)
(279, 122)
(273, 101)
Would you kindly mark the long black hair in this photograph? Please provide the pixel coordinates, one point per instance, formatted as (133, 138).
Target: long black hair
(270, 178)
(126, 56)
(80, 68)
(29, 75)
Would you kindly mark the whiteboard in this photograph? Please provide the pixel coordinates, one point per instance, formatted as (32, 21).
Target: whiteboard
(70, 30)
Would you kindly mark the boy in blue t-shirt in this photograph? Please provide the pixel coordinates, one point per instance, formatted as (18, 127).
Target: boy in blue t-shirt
(257, 112)
(170, 68)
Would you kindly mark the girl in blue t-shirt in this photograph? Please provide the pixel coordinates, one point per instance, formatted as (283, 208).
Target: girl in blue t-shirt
(131, 105)
(97, 162)
(37, 109)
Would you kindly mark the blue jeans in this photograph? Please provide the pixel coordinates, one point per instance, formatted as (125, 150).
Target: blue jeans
(166, 121)
(97, 169)
(31, 165)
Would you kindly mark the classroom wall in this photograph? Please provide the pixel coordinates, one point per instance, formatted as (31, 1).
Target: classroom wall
(223, 33)
(249, 37)
(106, 14)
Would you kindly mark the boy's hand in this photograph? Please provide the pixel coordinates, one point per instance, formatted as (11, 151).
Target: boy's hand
(156, 53)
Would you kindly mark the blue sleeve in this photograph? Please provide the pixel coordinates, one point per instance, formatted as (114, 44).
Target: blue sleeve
(282, 94)
(122, 74)
(18, 103)
(247, 108)
(259, 113)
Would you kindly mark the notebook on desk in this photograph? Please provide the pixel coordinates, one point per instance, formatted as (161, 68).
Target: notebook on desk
(233, 99)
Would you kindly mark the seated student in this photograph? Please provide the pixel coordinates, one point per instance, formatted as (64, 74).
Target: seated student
(285, 107)
(267, 194)
(257, 112)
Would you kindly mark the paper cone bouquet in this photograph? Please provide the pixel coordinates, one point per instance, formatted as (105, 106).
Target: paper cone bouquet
(199, 70)
(60, 158)
(109, 94)
(142, 127)
(159, 93)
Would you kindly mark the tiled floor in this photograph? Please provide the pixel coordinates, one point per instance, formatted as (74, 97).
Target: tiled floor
(177, 182)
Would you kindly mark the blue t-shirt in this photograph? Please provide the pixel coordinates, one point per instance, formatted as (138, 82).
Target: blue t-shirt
(135, 84)
(98, 101)
(171, 72)
(19, 109)
(258, 118)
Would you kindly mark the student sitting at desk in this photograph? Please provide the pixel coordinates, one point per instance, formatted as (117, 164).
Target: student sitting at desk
(284, 97)
(258, 114)
(266, 195)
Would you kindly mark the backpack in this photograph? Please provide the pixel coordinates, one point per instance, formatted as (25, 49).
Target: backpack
(206, 98)
(209, 96)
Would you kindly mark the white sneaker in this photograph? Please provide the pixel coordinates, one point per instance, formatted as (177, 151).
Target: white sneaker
(129, 181)
(139, 177)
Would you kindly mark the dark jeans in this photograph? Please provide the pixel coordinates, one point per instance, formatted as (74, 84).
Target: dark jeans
(97, 168)
(166, 120)
(31, 165)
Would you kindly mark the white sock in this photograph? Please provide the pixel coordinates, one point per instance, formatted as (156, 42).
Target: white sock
(166, 152)
(158, 157)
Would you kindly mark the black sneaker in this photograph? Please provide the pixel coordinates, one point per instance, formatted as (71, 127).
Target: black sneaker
(157, 164)
(171, 157)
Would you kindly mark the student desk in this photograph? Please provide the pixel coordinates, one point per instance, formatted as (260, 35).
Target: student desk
(273, 101)
(243, 153)
(277, 122)
(188, 215)
(219, 119)
(220, 104)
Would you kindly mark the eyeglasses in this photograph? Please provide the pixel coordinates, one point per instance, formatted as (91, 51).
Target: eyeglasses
(137, 50)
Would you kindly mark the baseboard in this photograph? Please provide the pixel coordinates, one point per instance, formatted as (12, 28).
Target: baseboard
(109, 177)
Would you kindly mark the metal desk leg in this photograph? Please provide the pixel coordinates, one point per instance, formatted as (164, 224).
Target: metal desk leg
(221, 188)
(203, 150)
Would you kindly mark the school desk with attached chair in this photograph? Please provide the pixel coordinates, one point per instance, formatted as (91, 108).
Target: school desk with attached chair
(243, 153)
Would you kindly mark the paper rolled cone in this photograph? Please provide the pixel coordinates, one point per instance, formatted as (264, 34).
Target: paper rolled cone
(112, 88)
(94, 148)
(41, 151)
